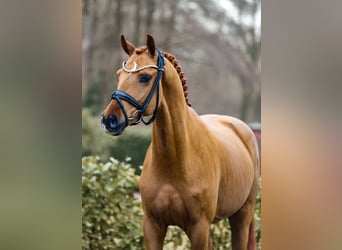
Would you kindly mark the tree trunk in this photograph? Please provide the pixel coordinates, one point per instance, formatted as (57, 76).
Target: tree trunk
(136, 38)
(118, 16)
(151, 6)
(89, 49)
(257, 108)
(115, 10)
(245, 99)
(170, 25)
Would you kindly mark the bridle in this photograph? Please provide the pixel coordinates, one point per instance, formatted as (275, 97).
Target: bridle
(120, 95)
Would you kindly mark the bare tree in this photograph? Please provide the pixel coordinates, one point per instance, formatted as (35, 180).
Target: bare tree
(220, 54)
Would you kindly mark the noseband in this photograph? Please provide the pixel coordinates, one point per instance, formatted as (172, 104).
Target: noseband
(120, 95)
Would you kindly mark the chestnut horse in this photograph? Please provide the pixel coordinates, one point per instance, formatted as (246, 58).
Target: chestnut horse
(198, 169)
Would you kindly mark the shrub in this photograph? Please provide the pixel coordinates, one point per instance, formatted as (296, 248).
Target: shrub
(133, 143)
(94, 140)
(93, 95)
(112, 215)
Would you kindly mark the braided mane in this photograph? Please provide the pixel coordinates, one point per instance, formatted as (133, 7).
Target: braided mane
(180, 72)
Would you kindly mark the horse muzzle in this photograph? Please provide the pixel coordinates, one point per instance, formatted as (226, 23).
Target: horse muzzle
(112, 125)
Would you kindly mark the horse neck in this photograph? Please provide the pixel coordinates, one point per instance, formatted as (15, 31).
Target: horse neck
(172, 129)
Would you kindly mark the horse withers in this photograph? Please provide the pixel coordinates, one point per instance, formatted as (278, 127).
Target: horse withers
(197, 169)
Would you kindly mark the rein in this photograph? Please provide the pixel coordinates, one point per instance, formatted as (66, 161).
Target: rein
(120, 95)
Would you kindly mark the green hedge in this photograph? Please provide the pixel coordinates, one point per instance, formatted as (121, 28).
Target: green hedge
(112, 215)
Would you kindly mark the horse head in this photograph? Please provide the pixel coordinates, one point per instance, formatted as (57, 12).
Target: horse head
(137, 94)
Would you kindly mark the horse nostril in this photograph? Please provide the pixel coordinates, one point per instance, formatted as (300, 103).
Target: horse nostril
(112, 122)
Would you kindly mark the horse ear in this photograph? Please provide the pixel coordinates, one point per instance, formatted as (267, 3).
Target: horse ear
(151, 45)
(127, 46)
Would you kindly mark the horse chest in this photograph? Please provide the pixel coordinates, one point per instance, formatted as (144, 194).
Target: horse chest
(170, 207)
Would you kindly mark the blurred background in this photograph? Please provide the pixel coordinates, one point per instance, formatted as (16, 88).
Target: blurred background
(40, 146)
(216, 42)
(218, 46)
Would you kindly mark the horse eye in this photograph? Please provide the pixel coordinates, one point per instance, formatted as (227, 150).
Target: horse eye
(144, 78)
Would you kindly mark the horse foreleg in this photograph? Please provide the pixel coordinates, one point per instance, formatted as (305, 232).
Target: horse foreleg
(153, 234)
(199, 235)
